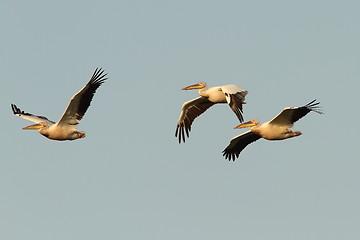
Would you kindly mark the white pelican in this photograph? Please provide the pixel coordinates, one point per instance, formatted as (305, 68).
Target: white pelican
(231, 94)
(276, 129)
(65, 129)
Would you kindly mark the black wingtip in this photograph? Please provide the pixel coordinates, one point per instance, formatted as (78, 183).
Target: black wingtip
(314, 106)
(15, 109)
(181, 131)
(178, 133)
(99, 76)
(229, 156)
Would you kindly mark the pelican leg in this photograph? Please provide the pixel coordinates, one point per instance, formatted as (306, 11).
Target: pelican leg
(80, 134)
(290, 134)
(295, 133)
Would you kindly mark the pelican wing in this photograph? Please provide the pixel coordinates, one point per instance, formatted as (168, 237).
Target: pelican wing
(238, 143)
(190, 110)
(290, 115)
(80, 102)
(29, 116)
(235, 97)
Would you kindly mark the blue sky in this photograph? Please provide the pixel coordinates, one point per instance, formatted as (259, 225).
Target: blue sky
(129, 178)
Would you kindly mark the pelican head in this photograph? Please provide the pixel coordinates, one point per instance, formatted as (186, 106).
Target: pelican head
(199, 85)
(36, 126)
(250, 123)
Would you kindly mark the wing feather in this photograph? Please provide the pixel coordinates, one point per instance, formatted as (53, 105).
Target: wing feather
(29, 116)
(190, 110)
(235, 97)
(80, 102)
(238, 143)
(290, 115)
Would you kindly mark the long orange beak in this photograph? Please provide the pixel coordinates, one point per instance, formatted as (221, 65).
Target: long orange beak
(194, 86)
(33, 127)
(246, 124)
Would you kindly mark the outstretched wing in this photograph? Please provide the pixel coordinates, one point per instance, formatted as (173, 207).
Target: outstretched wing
(238, 143)
(290, 115)
(189, 111)
(80, 102)
(235, 97)
(29, 116)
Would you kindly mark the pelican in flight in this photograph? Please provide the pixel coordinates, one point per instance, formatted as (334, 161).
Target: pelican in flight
(65, 128)
(231, 94)
(276, 129)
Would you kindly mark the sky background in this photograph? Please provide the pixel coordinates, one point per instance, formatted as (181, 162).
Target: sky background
(129, 178)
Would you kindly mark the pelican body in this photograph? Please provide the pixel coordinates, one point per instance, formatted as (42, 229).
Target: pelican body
(66, 127)
(278, 128)
(231, 94)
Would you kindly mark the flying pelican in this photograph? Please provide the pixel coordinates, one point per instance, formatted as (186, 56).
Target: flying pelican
(231, 94)
(276, 129)
(65, 129)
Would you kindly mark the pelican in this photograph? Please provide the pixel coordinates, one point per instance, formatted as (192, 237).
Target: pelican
(276, 129)
(65, 128)
(231, 94)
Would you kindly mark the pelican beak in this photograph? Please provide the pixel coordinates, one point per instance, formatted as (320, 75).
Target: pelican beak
(246, 124)
(34, 126)
(195, 86)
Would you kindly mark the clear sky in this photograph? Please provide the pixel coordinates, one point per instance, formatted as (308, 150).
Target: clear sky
(129, 178)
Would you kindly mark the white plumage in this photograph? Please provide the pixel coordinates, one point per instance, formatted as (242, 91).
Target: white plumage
(231, 94)
(276, 129)
(66, 127)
